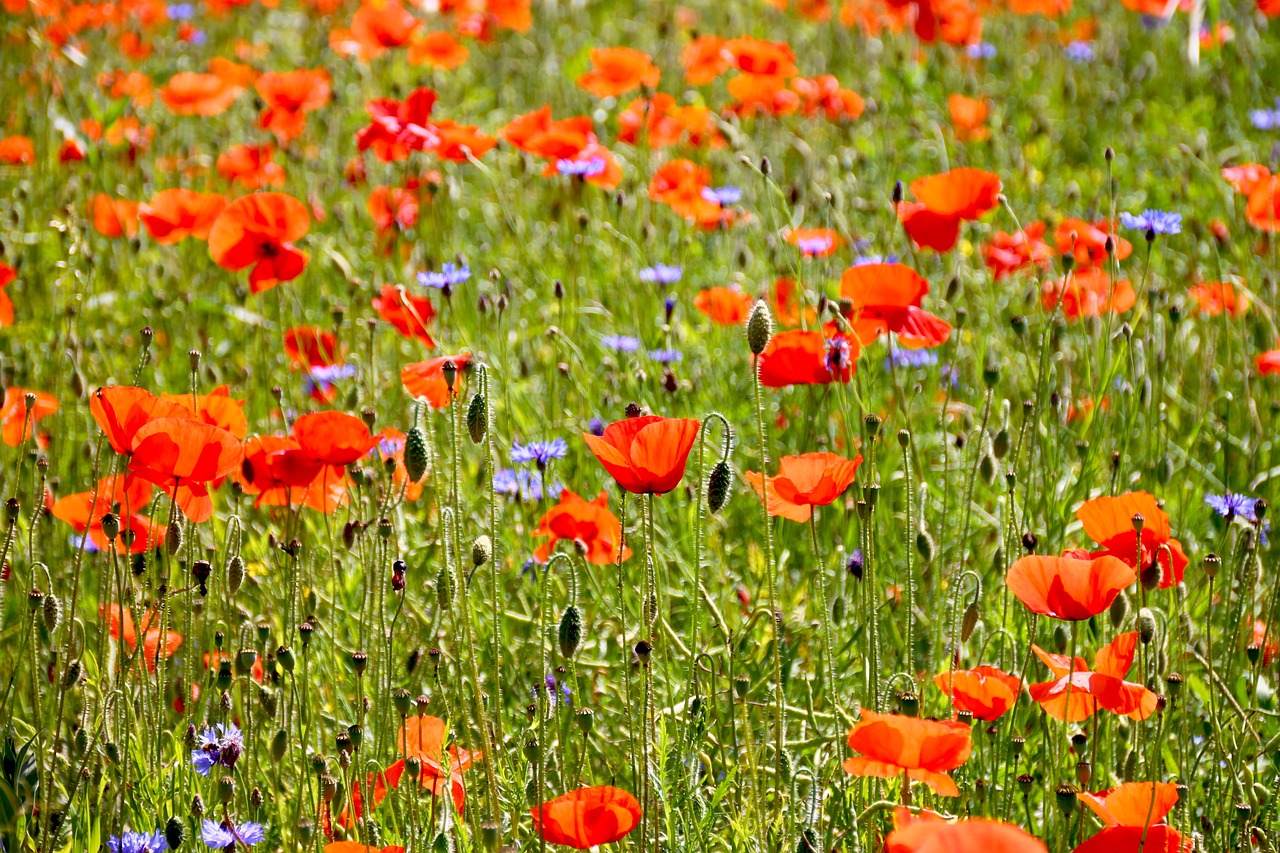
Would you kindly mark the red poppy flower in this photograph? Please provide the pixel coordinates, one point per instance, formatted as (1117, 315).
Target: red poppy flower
(258, 231)
(393, 208)
(1076, 693)
(16, 422)
(1245, 178)
(1109, 521)
(968, 118)
(577, 520)
(7, 275)
(886, 298)
(617, 70)
(704, 59)
(121, 496)
(407, 314)
(1133, 803)
(1087, 292)
(357, 847)
(333, 438)
(608, 178)
(289, 96)
(114, 217)
(1264, 641)
(1263, 208)
(662, 123)
(757, 56)
(438, 49)
(378, 26)
(806, 481)
(824, 94)
(945, 200)
(925, 750)
(1137, 839)
(726, 306)
(984, 691)
(426, 378)
(1008, 253)
(398, 128)
(1068, 588)
(801, 357)
(540, 135)
(190, 93)
(1268, 363)
(646, 455)
(587, 817)
(460, 142)
(153, 646)
(121, 410)
(267, 474)
(767, 94)
(1087, 242)
(1214, 298)
(965, 836)
(174, 215)
(17, 151)
(181, 456)
(679, 184)
(311, 346)
(250, 166)
(815, 242)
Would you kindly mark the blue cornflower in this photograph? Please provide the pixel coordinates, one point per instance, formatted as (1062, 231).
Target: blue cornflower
(981, 50)
(949, 373)
(219, 836)
(661, 274)
(181, 11)
(450, 275)
(220, 746)
(588, 168)
(1079, 51)
(910, 358)
(320, 380)
(1231, 506)
(538, 452)
(665, 356)
(620, 343)
(722, 195)
(1266, 119)
(839, 355)
(138, 842)
(198, 38)
(853, 565)
(595, 426)
(812, 246)
(867, 260)
(523, 484)
(1154, 222)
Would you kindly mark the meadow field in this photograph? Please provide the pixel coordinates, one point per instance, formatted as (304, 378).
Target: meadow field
(718, 425)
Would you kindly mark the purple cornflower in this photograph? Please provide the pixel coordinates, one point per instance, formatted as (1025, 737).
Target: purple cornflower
(588, 168)
(1231, 506)
(669, 305)
(910, 358)
(813, 246)
(839, 357)
(1266, 119)
(981, 50)
(221, 836)
(450, 276)
(550, 682)
(620, 343)
(538, 452)
(1154, 222)
(1079, 51)
(665, 356)
(595, 426)
(181, 11)
(522, 484)
(138, 842)
(854, 564)
(722, 195)
(321, 379)
(220, 746)
(661, 274)
(867, 260)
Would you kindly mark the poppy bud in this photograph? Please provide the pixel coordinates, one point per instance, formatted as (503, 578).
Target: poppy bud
(759, 327)
(987, 468)
(1119, 610)
(412, 661)
(1146, 625)
(197, 806)
(444, 587)
(898, 192)
(173, 537)
(570, 631)
(837, 610)
(235, 573)
(279, 745)
(969, 622)
(256, 799)
(718, 484)
(766, 168)
(786, 766)
(415, 454)
(481, 550)
(924, 545)
(175, 833)
(52, 613)
(477, 418)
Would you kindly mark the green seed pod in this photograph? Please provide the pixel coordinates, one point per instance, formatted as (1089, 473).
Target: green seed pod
(759, 327)
(837, 610)
(586, 720)
(112, 750)
(72, 678)
(478, 418)
(173, 537)
(808, 842)
(175, 833)
(415, 454)
(924, 545)
(328, 788)
(1000, 445)
(531, 793)
(786, 766)
(279, 745)
(1146, 625)
(969, 622)
(235, 573)
(491, 835)
(82, 740)
(443, 843)
(226, 789)
(284, 654)
(987, 468)
(1131, 765)
(718, 484)
(1067, 797)
(1118, 610)
(52, 612)
(444, 587)
(570, 631)
(268, 700)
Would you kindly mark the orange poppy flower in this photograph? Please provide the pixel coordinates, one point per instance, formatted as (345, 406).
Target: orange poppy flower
(122, 626)
(788, 309)
(968, 118)
(1268, 363)
(460, 142)
(407, 314)
(121, 410)
(945, 200)
(984, 691)
(1076, 693)
(289, 96)
(806, 481)
(122, 496)
(176, 214)
(1133, 803)
(311, 346)
(679, 184)
(1245, 177)
(664, 123)
(398, 128)
(965, 836)
(766, 94)
(377, 26)
(1087, 292)
(1068, 588)
(587, 817)
(426, 378)
(134, 85)
(114, 217)
(757, 56)
(1265, 641)
(646, 455)
(542, 136)
(925, 750)
(258, 230)
(815, 242)
(577, 520)
(216, 407)
(17, 151)
(250, 166)
(1263, 209)
(182, 456)
(357, 847)
(1109, 522)
(191, 93)
(1048, 8)
(7, 276)
(1214, 298)
(1087, 242)
(1007, 253)
(266, 474)
(726, 306)
(704, 59)
(333, 438)
(886, 298)
(438, 49)
(16, 422)
(807, 357)
(824, 94)
(617, 70)
(1137, 839)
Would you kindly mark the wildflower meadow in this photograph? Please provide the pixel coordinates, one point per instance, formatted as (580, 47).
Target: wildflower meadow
(679, 426)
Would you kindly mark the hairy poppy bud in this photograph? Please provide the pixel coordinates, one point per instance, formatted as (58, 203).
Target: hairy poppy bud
(415, 454)
(718, 484)
(1119, 610)
(52, 612)
(759, 327)
(481, 550)
(1146, 625)
(173, 537)
(969, 622)
(898, 192)
(444, 587)
(478, 418)
(570, 631)
(924, 545)
(279, 745)
(175, 833)
(235, 573)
